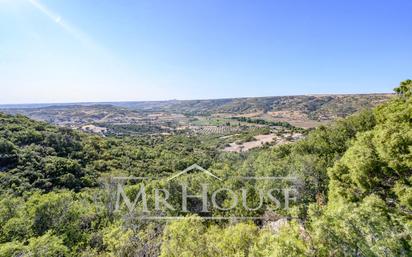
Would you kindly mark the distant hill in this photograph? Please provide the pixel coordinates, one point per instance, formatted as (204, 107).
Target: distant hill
(70, 114)
(315, 106)
(304, 110)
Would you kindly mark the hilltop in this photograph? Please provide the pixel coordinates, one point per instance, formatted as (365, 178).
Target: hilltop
(302, 111)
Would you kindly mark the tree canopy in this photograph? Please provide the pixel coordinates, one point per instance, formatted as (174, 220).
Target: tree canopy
(354, 191)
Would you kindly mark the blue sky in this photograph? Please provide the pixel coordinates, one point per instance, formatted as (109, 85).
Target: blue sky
(107, 50)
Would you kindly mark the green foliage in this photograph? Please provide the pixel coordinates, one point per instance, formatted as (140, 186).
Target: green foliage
(184, 238)
(265, 122)
(367, 228)
(353, 180)
(8, 154)
(289, 241)
(47, 245)
(117, 240)
(58, 158)
(373, 181)
(405, 88)
(12, 249)
(190, 237)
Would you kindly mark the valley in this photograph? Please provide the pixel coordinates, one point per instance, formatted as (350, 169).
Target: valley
(60, 168)
(278, 120)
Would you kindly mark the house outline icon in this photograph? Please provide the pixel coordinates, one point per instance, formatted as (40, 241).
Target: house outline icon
(195, 167)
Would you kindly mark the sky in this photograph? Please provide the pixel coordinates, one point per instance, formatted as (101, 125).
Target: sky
(116, 50)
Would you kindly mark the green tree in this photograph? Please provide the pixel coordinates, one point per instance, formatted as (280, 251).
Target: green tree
(47, 245)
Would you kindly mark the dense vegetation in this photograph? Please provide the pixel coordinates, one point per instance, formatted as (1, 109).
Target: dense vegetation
(264, 122)
(354, 191)
(133, 129)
